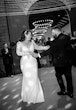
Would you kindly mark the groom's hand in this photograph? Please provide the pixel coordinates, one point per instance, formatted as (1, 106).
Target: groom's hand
(35, 55)
(45, 53)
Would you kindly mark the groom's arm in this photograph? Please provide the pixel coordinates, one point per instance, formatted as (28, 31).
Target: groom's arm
(45, 53)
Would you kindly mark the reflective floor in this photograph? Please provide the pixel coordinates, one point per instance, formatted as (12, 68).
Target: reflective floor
(10, 89)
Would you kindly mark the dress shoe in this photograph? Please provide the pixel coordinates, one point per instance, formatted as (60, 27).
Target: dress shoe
(61, 93)
(70, 95)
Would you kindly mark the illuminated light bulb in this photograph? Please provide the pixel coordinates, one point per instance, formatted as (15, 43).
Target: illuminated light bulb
(41, 26)
(48, 21)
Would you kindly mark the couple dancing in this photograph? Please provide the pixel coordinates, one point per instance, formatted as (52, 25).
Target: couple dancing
(32, 91)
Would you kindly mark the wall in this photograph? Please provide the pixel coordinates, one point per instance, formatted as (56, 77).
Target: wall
(66, 29)
(10, 31)
(73, 19)
(4, 35)
(16, 25)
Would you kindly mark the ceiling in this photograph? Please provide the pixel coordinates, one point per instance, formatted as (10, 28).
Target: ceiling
(60, 18)
(51, 9)
(42, 9)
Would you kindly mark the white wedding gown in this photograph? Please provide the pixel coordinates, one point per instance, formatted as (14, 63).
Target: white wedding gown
(31, 87)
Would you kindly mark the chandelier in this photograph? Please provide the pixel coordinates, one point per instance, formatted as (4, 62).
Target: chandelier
(43, 23)
(41, 27)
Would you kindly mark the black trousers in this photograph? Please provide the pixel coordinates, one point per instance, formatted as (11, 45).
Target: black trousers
(8, 69)
(66, 71)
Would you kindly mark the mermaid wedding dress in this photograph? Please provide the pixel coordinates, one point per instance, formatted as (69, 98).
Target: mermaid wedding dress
(31, 87)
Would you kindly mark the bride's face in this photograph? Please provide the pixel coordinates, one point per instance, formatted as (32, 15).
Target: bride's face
(28, 36)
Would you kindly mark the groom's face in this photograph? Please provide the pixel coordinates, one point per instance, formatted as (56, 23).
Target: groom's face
(54, 33)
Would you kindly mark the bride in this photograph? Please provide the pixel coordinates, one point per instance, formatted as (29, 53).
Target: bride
(31, 91)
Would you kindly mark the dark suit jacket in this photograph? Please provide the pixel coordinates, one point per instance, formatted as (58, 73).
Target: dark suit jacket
(7, 58)
(73, 42)
(61, 51)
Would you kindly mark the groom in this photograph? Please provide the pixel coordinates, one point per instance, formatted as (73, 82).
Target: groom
(61, 51)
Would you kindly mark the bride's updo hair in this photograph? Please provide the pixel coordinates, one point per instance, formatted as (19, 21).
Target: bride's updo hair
(23, 37)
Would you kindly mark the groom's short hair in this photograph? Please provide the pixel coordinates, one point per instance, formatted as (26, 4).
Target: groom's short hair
(57, 28)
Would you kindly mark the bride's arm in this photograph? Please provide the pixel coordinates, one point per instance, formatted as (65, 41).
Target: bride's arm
(35, 55)
(19, 50)
(37, 47)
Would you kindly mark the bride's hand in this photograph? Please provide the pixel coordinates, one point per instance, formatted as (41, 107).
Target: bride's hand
(47, 47)
(35, 55)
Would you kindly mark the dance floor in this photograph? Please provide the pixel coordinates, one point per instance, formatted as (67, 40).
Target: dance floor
(10, 89)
